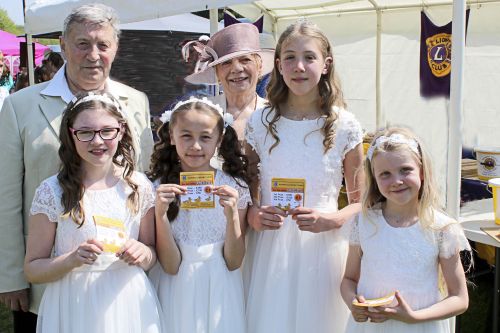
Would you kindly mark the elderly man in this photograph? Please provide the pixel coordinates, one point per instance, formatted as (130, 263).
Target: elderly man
(29, 129)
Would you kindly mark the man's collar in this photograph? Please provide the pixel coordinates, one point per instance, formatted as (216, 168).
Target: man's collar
(58, 87)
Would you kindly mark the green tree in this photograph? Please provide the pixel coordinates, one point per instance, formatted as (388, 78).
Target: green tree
(8, 25)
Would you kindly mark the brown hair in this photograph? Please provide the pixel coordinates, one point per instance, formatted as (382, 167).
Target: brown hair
(330, 92)
(70, 175)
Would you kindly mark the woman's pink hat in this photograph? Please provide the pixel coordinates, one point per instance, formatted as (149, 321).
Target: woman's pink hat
(231, 42)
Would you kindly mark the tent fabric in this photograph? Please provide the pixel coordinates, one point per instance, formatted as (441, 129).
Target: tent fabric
(44, 16)
(9, 44)
(10, 47)
(182, 22)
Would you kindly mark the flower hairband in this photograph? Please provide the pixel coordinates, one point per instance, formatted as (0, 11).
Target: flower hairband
(394, 139)
(105, 98)
(226, 116)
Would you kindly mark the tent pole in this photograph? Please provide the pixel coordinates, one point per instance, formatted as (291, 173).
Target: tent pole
(214, 27)
(380, 121)
(29, 48)
(31, 64)
(455, 109)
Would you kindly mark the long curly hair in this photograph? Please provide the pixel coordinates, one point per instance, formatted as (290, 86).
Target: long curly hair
(165, 162)
(330, 92)
(70, 175)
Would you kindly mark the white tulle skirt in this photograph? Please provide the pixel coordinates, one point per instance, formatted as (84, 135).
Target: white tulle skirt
(394, 326)
(109, 296)
(294, 280)
(204, 296)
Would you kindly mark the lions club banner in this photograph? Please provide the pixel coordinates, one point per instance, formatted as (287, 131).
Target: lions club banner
(435, 57)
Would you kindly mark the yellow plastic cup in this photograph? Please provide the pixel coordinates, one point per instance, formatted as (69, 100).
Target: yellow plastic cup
(494, 183)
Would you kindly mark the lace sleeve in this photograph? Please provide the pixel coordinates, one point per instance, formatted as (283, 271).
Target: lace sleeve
(147, 194)
(352, 130)
(354, 233)
(45, 202)
(244, 195)
(452, 240)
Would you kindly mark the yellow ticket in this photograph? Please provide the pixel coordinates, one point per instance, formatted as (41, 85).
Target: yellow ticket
(386, 300)
(287, 193)
(199, 189)
(111, 232)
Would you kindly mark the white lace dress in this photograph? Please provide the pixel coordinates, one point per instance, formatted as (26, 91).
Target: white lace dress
(110, 295)
(293, 277)
(204, 296)
(404, 259)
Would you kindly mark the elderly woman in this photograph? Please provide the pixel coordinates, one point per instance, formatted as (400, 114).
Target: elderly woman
(233, 58)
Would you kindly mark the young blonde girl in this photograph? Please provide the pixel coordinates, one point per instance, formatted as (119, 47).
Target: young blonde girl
(400, 241)
(296, 258)
(88, 289)
(200, 250)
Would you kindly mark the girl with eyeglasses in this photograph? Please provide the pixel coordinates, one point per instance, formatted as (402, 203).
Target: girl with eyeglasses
(97, 215)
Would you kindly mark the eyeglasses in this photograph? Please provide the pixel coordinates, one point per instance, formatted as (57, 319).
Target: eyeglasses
(108, 133)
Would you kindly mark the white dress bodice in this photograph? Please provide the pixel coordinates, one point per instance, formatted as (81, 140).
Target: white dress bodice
(404, 259)
(300, 154)
(197, 227)
(108, 202)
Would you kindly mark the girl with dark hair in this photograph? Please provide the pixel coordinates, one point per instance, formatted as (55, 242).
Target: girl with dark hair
(97, 214)
(200, 250)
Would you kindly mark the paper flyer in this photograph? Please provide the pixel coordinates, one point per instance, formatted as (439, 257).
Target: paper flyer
(386, 300)
(111, 232)
(199, 189)
(287, 193)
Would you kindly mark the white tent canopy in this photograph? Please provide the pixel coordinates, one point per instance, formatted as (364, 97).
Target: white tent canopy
(181, 22)
(376, 50)
(43, 16)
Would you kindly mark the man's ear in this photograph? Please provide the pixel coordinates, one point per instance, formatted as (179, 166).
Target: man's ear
(62, 43)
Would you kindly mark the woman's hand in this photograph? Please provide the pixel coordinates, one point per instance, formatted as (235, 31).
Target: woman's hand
(86, 253)
(134, 252)
(266, 217)
(228, 198)
(165, 194)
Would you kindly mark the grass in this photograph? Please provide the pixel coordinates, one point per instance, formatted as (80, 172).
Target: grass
(5, 320)
(477, 319)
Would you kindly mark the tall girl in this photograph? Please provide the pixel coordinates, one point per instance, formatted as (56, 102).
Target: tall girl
(296, 258)
(399, 243)
(200, 250)
(88, 289)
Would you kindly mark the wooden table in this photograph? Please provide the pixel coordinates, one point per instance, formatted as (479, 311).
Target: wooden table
(473, 216)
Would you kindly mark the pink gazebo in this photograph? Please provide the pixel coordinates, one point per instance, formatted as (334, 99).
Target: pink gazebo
(10, 46)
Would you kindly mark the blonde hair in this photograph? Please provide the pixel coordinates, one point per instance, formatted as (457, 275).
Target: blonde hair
(428, 196)
(330, 92)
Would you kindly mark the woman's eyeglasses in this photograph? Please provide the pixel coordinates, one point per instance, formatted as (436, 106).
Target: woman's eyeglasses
(108, 133)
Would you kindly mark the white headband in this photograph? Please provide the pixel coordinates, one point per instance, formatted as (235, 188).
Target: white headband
(394, 139)
(226, 116)
(105, 98)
